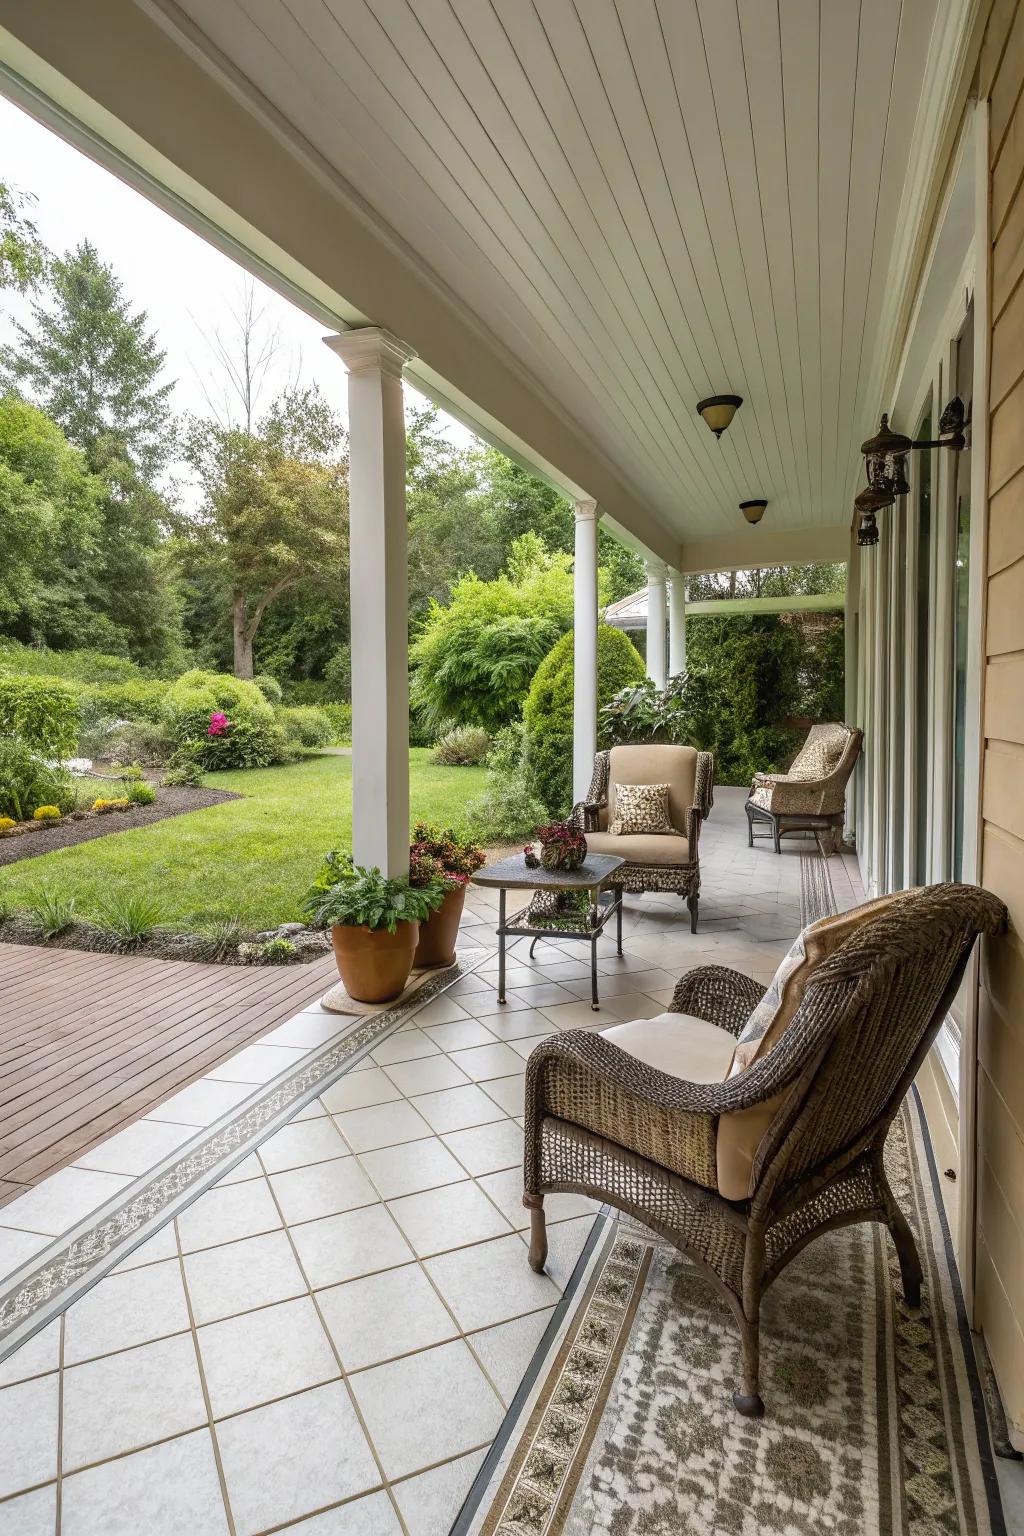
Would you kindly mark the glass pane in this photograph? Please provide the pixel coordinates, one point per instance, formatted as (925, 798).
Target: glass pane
(923, 613)
(961, 594)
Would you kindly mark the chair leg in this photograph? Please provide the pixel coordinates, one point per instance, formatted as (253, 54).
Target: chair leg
(750, 830)
(749, 1401)
(538, 1232)
(692, 903)
(776, 834)
(906, 1252)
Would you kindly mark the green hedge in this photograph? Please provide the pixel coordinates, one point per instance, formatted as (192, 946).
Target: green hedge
(306, 726)
(549, 706)
(42, 712)
(134, 699)
(83, 666)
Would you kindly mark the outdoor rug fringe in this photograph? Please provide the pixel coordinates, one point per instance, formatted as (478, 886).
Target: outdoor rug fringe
(875, 1423)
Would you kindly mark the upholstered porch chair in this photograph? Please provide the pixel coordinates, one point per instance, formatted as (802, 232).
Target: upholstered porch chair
(655, 861)
(742, 1124)
(811, 794)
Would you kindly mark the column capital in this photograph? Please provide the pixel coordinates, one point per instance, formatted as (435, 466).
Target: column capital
(656, 569)
(587, 511)
(370, 348)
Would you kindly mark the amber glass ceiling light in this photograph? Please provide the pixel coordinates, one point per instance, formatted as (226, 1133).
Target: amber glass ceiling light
(753, 511)
(719, 410)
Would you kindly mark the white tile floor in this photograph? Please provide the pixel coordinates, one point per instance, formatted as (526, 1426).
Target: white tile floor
(328, 1339)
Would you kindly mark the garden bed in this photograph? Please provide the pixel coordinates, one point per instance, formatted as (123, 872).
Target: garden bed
(35, 838)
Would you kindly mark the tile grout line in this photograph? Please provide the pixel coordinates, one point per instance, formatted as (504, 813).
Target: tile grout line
(204, 1385)
(364, 1427)
(59, 1494)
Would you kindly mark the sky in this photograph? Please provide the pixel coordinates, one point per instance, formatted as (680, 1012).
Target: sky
(187, 288)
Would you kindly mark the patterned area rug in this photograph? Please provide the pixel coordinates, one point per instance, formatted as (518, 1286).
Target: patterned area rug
(874, 1424)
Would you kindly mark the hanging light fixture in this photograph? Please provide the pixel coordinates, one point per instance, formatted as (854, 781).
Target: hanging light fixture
(886, 459)
(753, 511)
(719, 410)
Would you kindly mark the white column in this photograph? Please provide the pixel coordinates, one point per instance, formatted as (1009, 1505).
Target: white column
(656, 622)
(379, 581)
(676, 623)
(584, 695)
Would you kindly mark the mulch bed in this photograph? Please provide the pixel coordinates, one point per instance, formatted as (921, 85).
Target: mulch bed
(82, 828)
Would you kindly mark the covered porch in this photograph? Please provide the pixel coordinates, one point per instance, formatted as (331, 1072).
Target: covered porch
(572, 228)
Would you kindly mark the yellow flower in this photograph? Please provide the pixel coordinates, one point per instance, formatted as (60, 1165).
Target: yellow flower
(46, 813)
(120, 804)
(6, 823)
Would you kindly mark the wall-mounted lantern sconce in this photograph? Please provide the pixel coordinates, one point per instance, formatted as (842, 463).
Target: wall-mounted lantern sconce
(719, 410)
(886, 458)
(753, 511)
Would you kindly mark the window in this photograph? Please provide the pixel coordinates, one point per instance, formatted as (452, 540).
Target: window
(961, 586)
(919, 874)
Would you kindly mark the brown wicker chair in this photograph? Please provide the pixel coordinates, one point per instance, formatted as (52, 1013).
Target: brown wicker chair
(811, 794)
(602, 1122)
(654, 862)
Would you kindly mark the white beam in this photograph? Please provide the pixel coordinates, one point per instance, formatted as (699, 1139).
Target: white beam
(676, 623)
(749, 548)
(584, 698)
(656, 622)
(379, 581)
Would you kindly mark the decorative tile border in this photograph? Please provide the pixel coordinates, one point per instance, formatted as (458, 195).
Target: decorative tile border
(50, 1281)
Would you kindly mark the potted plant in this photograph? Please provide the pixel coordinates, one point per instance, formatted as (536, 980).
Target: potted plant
(374, 925)
(446, 856)
(562, 846)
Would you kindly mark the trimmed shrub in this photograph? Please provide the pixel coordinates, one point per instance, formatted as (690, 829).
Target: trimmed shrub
(140, 741)
(250, 737)
(548, 711)
(306, 726)
(135, 699)
(83, 666)
(183, 775)
(464, 747)
(340, 716)
(506, 812)
(41, 711)
(269, 687)
(26, 782)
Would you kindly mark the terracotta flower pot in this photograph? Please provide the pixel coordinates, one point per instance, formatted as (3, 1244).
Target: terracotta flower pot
(440, 931)
(374, 964)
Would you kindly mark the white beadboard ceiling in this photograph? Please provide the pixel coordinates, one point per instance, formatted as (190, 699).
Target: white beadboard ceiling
(645, 201)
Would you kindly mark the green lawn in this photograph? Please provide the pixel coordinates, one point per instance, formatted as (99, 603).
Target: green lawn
(251, 858)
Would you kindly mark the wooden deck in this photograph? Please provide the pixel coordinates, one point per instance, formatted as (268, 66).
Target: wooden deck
(89, 1043)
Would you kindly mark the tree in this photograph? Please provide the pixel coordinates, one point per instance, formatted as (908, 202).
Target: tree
(244, 350)
(770, 581)
(89, 360)
(451, 523)
(274, 513)
(22, 253)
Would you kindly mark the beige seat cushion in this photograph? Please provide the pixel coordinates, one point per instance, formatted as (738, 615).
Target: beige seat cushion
(699, 1052)
(642, 847)
(678, 1044)
(658, 764)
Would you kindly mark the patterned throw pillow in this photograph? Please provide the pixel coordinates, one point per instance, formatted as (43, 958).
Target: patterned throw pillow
(641, 808)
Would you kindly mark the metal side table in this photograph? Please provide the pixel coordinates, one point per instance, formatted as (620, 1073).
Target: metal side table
(514, 874)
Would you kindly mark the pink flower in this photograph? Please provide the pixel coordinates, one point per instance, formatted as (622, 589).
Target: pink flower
(218, 724)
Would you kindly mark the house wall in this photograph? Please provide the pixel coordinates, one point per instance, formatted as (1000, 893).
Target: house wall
(999, 1272)
(972, 1085)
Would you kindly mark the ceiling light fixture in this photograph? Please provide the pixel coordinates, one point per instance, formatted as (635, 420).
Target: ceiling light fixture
(719, 410)
(753, 511)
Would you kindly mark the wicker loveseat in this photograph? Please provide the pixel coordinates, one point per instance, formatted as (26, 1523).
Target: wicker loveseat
(741, 1150)
(811, 794)
(654, 861)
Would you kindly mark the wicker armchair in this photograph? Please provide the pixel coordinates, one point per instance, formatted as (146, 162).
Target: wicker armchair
(654, 862)
(814, 1109)
(811, 795)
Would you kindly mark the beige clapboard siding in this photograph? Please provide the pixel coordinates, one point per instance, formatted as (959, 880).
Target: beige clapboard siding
(999, 1268)
(1005, 602)
(1006, 522)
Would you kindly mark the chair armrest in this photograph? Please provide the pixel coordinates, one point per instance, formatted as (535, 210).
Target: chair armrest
(584, 814)
(694, 818)
(719, 995)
